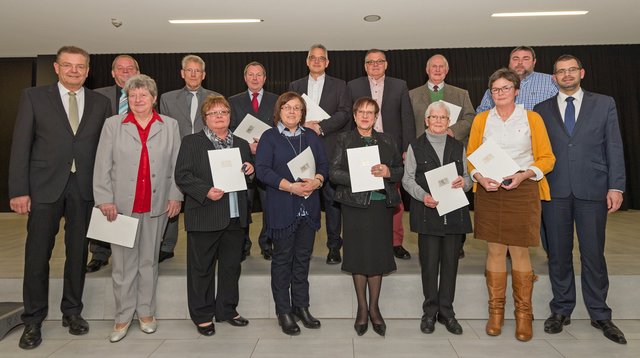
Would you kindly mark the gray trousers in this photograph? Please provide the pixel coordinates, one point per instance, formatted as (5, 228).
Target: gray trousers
(135, 270)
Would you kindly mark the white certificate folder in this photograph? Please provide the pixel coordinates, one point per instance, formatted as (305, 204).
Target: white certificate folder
(251, 128)
(303, 166)
(360, 162)
(314, 111)
(226, 169)
(492, 161)
(122, 231)
(439, 180)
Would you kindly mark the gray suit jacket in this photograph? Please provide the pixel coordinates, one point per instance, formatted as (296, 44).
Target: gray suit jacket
(397, 114)
(421, 99)
(176, 104)
(111, 92)
(118, 159)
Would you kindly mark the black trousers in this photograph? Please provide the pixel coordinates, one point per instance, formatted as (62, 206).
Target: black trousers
(42, 226)
(332, 216)
(290, 268)
(204, 250)
(264, 241)
(439, 255)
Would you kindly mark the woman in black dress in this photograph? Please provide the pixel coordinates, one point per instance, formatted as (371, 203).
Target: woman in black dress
(367, 216)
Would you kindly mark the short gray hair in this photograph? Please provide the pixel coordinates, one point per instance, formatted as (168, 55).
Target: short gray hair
(320, 46)
(141, 81)
(193, 58)
(437, 105)
(446, 63)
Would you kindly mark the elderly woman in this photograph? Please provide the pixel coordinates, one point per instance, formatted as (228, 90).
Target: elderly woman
(292, 209)
(215, 221)
(507, 210)
(367, 216)
(439, 237)
(133, 175)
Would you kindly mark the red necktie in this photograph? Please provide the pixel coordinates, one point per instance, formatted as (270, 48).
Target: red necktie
(254, 102)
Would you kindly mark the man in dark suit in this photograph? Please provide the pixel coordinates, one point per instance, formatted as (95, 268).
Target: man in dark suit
(50, 176)
(258, 103)
(395, 118)
(586, 184)
(331, 95)
(183, 105)
(122, 68)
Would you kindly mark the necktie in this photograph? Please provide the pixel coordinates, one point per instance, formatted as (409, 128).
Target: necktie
(435, 88)
(123, 104)
(254, 102)
(570, 115)
(194, 110)
(74, 120)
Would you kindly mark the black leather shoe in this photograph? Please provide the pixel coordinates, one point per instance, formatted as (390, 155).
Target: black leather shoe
(307, 319)
(333, 257)
(428, 324)
(555, 322)
(361, 329)
(165, 255)
(380, 329)
(288, 324)
(267, 254)
(237, 322)
(401, 253)
(451, 324)
(77, 325)
(31, 337)
(209, 330)
(610, 330)
(95, 265)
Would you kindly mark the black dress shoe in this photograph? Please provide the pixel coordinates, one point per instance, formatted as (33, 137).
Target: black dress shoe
(95, 265)
(401, 253)
(288, 324)
(267, 254)
(333, 257)
(165, 255)
(451, 324)
(379, 328)
(77, 325)
(237, 322)
(209, 330)
(555, 322)
(428, 324)
(610, 330)
(307, 319)
(361, 328)
(31, 337)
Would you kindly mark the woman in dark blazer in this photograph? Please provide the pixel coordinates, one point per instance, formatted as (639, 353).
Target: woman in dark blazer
(214, 220)
(292, 209)
(367, 216)
(439, 237)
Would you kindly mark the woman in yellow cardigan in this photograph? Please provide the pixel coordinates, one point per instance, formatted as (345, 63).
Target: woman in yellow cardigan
(507, 213)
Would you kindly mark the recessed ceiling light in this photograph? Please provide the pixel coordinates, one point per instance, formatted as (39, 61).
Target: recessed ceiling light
(372, 18)
(539, 13)
(215, 21)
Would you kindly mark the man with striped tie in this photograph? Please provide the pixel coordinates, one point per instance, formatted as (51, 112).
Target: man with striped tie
(122, 68)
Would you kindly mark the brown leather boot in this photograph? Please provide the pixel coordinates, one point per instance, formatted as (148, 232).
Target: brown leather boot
(522, 283)
(496, 287)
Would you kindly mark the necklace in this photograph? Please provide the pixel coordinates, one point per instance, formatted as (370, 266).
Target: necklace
(291, 145)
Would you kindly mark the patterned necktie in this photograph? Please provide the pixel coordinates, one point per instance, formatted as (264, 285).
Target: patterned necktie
(254, 102)
(194, 110)
(435, 88)
(74, 120)
(123, 104)
(570, 115)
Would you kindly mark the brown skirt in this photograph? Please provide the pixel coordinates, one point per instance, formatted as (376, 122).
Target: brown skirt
(509, 217)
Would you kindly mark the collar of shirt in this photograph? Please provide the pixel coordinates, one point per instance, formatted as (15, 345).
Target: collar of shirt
(374, 82)
(440, 86)
(64, 91)
(562, 97)
(260, 93)
(284, 130)
(218, 142)
(130, 118)
(320, 78)
(518, 112)
(577, 102)
(64, 96)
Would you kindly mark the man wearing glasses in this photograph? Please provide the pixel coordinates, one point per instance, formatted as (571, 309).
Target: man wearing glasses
(331, 95)
(395, 118)
(183, 105)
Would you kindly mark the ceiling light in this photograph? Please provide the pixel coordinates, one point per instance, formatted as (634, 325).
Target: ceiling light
(539, 13)
(215, 21)
(372, 18)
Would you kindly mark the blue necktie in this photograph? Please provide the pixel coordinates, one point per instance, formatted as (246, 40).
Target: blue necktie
(123, 104)
(570, 115)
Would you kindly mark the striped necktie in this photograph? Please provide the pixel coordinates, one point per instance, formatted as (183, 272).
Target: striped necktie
(123, 104)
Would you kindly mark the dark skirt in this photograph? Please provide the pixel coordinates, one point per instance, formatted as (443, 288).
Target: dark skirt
(368, 239)
(508, 217)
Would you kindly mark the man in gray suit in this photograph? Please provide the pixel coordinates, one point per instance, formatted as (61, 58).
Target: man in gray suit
(50, 177)
(434, 90)
(260, 104)
(122, 68)
(183, 105)
(395, 118)
(586, 184)
(331, 95)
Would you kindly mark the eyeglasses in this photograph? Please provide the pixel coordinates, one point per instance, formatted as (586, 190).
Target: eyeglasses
(216, 113)
(439, 118)
(67, 66)
(317, 59)
(192, 71)
(365, 113)
(570, 70)
(288, 108)
(375, 62)
(504, 89)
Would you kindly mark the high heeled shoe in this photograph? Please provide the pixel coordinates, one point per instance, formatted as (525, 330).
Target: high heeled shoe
(361, 329)
(380, 328)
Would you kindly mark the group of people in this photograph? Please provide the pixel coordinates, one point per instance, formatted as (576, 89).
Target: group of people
(74, 149)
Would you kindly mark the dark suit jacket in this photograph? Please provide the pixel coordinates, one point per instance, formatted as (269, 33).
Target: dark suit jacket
(175, 104)
(591, 161)
(44, 145)
(193, 177)
(335, 101)
(241, 106)
(397, 114)
(111, 92)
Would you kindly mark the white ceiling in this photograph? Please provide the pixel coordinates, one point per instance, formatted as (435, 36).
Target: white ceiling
(32, 27)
